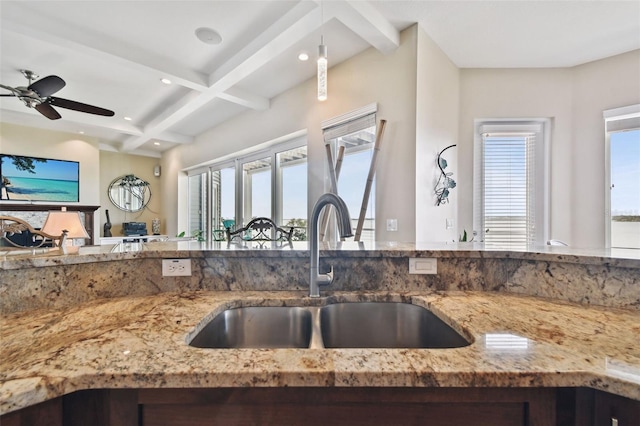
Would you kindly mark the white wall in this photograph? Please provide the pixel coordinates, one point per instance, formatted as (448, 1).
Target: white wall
(518, 93)
(574, 99)
(367, 78)
(20, 140)
(437, 116)
(597, 86)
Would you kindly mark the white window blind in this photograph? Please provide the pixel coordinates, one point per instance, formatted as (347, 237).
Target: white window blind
(622, 119)
(352, 126)
(508, 171)
(509, 196)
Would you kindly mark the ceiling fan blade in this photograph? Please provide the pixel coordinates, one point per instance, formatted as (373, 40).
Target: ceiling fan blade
(48, 111)
(47, 86)
(11, 89)
(12, 95)
(79, 106)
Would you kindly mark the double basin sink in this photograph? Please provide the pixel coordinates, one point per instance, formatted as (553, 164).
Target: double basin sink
(338, 325)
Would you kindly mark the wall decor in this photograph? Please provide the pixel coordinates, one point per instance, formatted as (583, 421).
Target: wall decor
(29, 179)
(445, 182)
(130, 193)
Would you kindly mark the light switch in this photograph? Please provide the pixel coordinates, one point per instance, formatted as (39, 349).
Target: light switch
(423, 266)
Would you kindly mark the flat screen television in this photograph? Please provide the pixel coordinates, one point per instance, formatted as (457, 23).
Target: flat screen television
(39, 179)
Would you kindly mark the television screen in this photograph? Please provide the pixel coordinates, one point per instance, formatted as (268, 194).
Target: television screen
(39, 179)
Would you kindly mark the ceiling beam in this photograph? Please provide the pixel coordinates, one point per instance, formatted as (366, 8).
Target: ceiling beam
(244, 98)
(175, 138)
(366, 21)
(20, 114)
(300, 21)
(102, 48)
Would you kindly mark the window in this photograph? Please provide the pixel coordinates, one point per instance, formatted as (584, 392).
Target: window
(197, 205)
(510, 191)
(251, 186)
(351, 138)
(256, 182)
(223, 192)
(291, 176)
(622, 126)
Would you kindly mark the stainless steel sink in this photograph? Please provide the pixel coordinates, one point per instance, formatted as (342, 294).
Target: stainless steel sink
(385, 325)
(340, 325)
(257, 327)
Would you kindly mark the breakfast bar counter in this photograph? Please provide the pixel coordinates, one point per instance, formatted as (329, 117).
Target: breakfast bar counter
(107, 319)
(141, 342)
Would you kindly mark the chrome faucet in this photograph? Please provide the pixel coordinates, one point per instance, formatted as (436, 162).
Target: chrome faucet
(344, 225)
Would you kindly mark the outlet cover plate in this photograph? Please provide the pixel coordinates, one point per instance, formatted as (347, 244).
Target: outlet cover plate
(176, 267)
(423, 265)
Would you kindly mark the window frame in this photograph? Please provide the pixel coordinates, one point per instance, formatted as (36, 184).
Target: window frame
(615, 120)
(338, 127)
(237, 161)
(541, 127)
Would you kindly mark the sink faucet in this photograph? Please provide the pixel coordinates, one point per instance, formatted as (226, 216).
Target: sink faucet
(344, 225)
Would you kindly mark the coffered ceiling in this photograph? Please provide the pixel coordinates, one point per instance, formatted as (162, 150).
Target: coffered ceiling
(113, 54)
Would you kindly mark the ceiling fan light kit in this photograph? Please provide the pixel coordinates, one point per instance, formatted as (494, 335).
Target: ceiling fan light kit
(37, 95)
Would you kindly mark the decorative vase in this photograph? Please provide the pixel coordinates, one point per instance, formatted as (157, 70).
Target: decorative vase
(155, 226)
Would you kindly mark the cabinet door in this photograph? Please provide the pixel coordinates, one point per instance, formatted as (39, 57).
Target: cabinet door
(613, 410)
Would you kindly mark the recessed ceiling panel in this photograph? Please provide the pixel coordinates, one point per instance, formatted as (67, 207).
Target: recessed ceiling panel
(211, 115)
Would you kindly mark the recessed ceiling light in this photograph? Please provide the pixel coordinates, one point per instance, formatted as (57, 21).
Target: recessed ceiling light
(81, 132)
(165, 80)
(208, 35)
(303, 56)
(128, 118)
(156, 143)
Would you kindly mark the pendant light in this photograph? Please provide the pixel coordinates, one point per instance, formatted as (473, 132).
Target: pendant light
(322, 71)
(322, 62)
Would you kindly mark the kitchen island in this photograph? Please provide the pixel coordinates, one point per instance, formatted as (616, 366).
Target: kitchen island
(135, 340)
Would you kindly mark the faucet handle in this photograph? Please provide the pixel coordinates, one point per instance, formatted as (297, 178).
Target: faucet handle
(327, 278)
(330, 274)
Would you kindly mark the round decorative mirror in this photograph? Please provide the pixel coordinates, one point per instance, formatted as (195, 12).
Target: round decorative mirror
(130, 193)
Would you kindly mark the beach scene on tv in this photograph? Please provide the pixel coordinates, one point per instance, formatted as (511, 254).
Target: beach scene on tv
(38, 179)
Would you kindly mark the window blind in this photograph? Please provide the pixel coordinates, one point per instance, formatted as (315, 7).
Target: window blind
(349, 127)
(509, 177)
(622, 119)
(509, 199)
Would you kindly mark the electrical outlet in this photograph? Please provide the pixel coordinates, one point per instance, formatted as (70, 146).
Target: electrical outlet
(423, 266)
(392, 225)
(176, 267)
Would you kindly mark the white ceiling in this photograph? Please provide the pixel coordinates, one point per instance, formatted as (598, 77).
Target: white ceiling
(113, 53)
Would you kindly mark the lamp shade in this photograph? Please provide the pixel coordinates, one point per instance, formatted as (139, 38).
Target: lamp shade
(59, 221)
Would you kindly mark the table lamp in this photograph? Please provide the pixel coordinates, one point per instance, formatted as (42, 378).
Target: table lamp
(59, 221)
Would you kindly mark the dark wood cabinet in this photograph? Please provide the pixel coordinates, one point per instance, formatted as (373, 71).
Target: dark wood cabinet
(334, 406)
(48, 413)
(614, 410)
(589, 407)
(349, 406)
(295, 406)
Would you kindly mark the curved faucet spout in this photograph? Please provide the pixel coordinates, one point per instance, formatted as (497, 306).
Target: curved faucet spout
(344, 225)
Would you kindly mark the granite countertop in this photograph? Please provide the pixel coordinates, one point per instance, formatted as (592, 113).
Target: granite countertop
(140, 342)
(20, 259)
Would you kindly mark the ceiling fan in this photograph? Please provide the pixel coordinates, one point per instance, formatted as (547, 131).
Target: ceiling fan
(38, 95)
